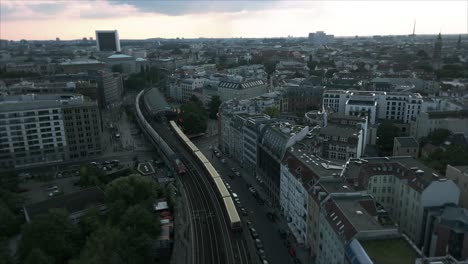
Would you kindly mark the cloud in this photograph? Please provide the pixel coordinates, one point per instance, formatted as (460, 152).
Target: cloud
(183, 7)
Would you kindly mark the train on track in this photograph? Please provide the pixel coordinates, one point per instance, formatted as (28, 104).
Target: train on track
(214, 176)
(157, 140)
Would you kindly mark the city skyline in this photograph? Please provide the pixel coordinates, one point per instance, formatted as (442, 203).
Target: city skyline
(46, 20)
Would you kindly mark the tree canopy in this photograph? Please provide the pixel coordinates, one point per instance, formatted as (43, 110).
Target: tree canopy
(272, 111)
(53, 234)
(214, 106)
(386, 132)
(193, 116)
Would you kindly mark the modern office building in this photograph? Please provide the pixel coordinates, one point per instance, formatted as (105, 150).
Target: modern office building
(107, 40)
(47, 129)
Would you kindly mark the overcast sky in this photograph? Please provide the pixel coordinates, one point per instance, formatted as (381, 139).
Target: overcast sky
(37, 19)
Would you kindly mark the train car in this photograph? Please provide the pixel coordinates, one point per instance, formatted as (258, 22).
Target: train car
(211, 171)
(201, 157)
(234, 219)
(191, 146)
(222, 190)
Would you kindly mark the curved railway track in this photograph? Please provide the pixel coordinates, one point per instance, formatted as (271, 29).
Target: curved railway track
(212, 240)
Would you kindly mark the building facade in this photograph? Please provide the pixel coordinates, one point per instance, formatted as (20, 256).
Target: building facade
(403, 107)
(41, 129)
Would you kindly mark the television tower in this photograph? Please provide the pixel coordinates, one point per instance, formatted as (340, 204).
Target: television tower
(414, 28)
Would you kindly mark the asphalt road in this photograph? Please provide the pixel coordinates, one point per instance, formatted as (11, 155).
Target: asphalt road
(275, 248)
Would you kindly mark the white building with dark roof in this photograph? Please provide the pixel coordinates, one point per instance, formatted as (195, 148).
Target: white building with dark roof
(403, 107)
(405, 187)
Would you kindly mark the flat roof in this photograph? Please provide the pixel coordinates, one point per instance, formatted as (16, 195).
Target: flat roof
(389, 251)
(319, 166)
(359, 212)
(407, 142)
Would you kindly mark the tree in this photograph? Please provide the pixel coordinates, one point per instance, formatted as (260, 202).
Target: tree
(270, 67)
(138, 220)
(438, 136)
(330, 72)
(90, 176)
(193, 116)
(90, 221)
(386, 132)
(10, 223)
(117, 68)
(102, 247)
(36, 256)
(134, 82)
(128, 191)
(5, 254)
(214, 106)
(53, 234)
(272, 111)
(422, 54)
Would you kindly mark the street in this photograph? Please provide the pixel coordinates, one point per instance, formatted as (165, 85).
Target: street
(275, 247)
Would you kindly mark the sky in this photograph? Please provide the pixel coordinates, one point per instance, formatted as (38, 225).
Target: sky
(134, 19)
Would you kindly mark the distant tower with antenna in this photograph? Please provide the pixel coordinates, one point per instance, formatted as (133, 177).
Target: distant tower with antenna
(414, 29)
(438, 48)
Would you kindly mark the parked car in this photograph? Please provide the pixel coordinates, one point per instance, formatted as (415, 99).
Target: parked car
(258, 244)
(243, 211)
(223, 160)
(52, 188)
(249, 224)
(94, 163)
(254, 233)
(252, 190)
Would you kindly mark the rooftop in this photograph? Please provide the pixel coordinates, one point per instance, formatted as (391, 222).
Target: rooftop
(298, 155)
(360, 210)
(39, 101)
(407, 142)
(333, 130)
(80, 62)
(418, 175)
(155, 101)
(389, 251)
(119, 56)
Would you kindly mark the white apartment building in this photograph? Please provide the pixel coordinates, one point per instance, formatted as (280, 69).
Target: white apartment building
(182, 89)
(403, 107)
(293, 201)
(455, 121)
(404, 187)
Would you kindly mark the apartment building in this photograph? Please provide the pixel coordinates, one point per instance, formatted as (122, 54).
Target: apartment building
(459, 175)
(403, 107)
(404, 187)
(181, 89)
(241, 90)
(43, 129)
(455, 121)
(405, 146)
(273, 142)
